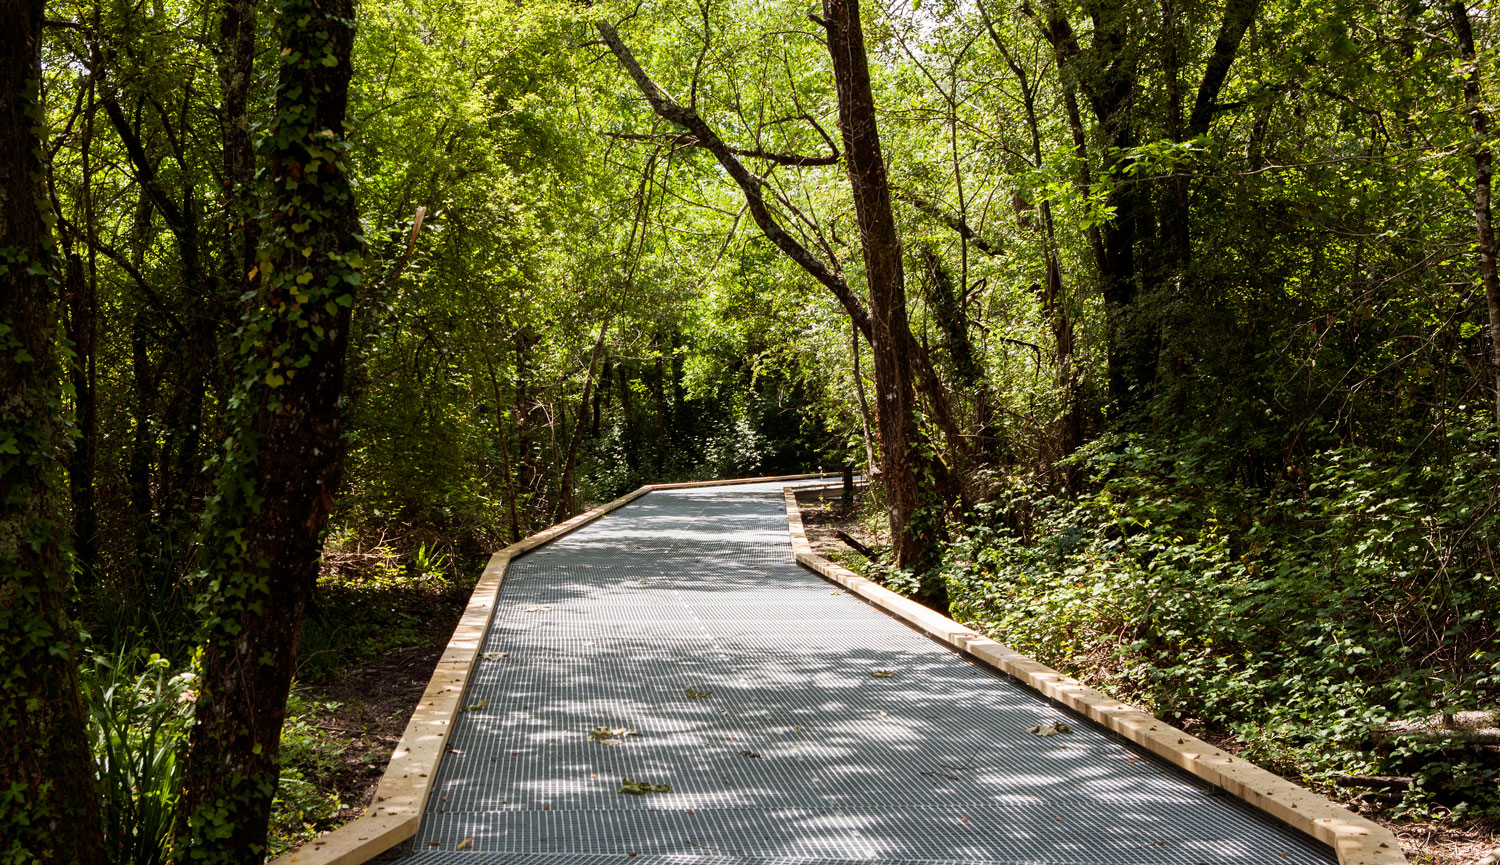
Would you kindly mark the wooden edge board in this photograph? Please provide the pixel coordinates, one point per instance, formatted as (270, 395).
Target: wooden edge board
(1355, 839)
(396, 811)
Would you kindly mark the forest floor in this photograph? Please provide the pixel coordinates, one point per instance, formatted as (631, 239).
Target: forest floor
(1447, 842)
(373, 650)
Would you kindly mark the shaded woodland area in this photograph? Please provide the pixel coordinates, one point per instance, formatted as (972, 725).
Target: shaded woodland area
(1168, 331)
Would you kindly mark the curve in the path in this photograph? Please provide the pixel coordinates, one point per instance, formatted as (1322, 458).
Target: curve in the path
(800, 754)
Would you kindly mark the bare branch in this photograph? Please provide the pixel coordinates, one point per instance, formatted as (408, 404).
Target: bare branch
(687, 118)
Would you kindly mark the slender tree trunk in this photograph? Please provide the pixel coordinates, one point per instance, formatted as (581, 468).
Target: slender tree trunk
(50, 810)
(283, 461)
(1483, 171)
(864, 405)
(1054, 298)
(601, 393)
(82, 314)
(81, 331)
(565, 496)
(526, 473)
(504, 444)
(913, 531)
(142, 450)
(236, 68)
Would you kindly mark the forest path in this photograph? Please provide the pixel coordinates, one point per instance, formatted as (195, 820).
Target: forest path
(799, 754)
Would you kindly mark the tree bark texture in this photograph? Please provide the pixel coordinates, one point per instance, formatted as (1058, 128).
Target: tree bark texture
(282, 463)
(913, 527)
(49, 800)
(1483, 174)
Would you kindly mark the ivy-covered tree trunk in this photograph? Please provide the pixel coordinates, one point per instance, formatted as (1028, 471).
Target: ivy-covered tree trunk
(49, 802)
(281, 464)
(913, 532)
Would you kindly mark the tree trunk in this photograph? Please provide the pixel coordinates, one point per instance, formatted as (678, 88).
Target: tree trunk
(526, 473)
(502, 441)
(236, 68)
(864, 405)
(913, 531)
(282, 463)
(565, 496)
(1054, 298)
(1108, 81)
(1483, 170)
(50, 812)
(82, 330)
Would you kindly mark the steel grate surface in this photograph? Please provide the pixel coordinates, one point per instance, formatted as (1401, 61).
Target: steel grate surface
(799, 755)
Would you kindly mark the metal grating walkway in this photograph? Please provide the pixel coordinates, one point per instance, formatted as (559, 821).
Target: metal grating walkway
(799, 755)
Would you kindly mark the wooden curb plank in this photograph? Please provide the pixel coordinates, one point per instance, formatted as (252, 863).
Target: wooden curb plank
(396, 811)
(1355, 840)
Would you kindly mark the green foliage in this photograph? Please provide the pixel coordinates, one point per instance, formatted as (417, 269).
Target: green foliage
(139, 711)
(371, 602)
(310, 758)
(1298, 617)
(1294, 550)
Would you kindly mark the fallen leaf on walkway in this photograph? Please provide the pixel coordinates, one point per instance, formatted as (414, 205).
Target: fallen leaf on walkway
(464, 844)
(640, 788)
(1051, 729)
(698, 695)
(539, 608)
(474, 707)
(882, 674)
(751, 754)
(611, 735)
(835, 592)
(495, 656)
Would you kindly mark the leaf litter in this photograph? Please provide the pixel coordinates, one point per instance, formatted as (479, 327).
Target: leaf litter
(641, 788)
(614, 736)
(1051, 729)
(698, 695)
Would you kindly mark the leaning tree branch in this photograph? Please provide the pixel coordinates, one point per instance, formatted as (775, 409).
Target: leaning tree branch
(684, 139)
(145, 171)
(749, 184)
(953, 221)
(1238, 16)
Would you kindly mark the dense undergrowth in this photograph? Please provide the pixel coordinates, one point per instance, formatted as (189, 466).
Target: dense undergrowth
(1297, 616)
(376, 596)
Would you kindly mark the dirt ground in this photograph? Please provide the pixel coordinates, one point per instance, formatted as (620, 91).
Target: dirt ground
(374, 701)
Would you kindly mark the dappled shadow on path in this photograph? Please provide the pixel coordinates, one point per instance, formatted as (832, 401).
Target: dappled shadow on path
(798, 746)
